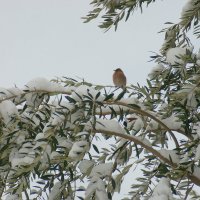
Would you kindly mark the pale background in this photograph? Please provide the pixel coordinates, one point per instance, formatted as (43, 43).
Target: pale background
(47, 38)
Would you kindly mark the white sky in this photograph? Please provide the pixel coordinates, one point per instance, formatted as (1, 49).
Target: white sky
(47, 38)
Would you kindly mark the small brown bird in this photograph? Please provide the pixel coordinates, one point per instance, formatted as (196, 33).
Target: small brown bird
(119, 79)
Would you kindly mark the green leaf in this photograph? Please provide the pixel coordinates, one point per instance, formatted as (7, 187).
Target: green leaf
(95, 148)
(135, 106)
(113, 183)
(71, 100)
(109, 97)
(120, 95)
(113, 114)
(97, 95)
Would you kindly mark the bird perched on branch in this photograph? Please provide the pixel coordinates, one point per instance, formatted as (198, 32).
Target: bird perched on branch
(119, 79)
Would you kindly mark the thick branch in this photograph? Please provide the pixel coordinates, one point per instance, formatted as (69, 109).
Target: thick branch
(194, 179)
(8, 97)
(140, 142)
(2, 187)
(144, 113)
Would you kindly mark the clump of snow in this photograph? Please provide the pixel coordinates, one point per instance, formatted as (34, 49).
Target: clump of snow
(11, 92)
(102, 170)
(29, 117)
(174, 55)
(170, 155)
(143, 140)
(21, 137)
(195, 78)
(78, 150)
(8, 110)
(42, 144)
(38, 87)
(121, 142)
(157, 70)
(152, 125)
(25, 148)
(197, 155)
(171, 122)
(65, 106)
(134, 123)
(188, 91)
(191, 100)
(14, 91)
(82, 91)
(54, 155)
(196, 128)
(56, 191)
(4, 93)
(74, 117)
(196, 171)
(34, 99)
(189, 6)
(58, 119)
(116, 108)
(46, 153)
(82, 135)
(198, 58)
(198, 55)
(184, 158)
(162, 107)
(23, 156)
(85, 165)
(12, 197)
(26, 160)
(198, 62)
(96, 186)
(106, 125)
(64, 142)
(39, 136)
(43, 85)
(119, 156)
(162, 190)
(131, 100)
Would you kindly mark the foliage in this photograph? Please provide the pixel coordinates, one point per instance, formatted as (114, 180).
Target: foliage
(74, 140)
(114, 10)
(49, 138)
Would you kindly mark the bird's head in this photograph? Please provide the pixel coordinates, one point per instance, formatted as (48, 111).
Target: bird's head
(118, 70)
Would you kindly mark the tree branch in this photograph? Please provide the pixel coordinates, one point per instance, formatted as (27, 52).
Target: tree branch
(144, 113)
(8, 97)
(194, 179)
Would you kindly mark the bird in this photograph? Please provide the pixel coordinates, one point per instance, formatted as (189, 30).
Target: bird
(119, 78)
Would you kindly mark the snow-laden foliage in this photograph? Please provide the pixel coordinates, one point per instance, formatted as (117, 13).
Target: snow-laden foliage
(113, 11)
(69, 139)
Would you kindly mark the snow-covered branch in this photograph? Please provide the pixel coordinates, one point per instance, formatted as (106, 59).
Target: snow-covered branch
(112, 128)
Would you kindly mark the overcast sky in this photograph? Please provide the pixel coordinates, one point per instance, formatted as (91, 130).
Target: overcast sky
(47, 38)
